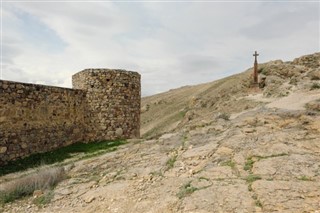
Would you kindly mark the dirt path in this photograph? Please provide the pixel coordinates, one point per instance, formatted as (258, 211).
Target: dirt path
(295, 101)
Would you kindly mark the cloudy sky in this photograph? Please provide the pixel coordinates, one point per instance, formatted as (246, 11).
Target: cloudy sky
(171, 43)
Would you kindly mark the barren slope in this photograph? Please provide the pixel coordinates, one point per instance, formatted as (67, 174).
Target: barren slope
(170, 111)
(264, 158)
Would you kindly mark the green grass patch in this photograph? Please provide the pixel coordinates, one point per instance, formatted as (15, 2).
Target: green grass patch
(185, 138)
(230, 163)
(186, 190)
(251, 178)
(182, 114)
(305, 178)
(258, 203)
(170, 162)
(61, 154)
(263, 71)
(184, 141)
(44, 199)
(251, 160)
(249, 164)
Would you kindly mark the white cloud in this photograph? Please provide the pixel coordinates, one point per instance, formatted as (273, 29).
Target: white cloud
(170, 44)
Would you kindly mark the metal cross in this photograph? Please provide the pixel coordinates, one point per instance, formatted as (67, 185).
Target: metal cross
(255, 70)
(255, 56)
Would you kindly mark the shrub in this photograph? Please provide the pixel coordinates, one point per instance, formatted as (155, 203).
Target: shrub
(44, 199)
(42, 180)
(170, 162)
(263, 71)
(224, 116)
(315, 86)
(186, 190)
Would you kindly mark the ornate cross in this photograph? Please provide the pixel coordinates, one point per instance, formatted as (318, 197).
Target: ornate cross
(255, 70)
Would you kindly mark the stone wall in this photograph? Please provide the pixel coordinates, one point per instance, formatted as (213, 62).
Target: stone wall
(37, 118)
(104, 105)
(113, 98)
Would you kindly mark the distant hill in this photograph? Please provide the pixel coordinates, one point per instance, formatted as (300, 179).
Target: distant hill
(177, 108)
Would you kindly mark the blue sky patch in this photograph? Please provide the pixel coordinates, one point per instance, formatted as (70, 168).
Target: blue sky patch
(36, 33)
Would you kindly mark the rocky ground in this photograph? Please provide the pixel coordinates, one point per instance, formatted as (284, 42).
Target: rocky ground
(265, 158)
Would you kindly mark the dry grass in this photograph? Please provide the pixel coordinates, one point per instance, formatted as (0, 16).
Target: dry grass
(166, 110)
(24, 186)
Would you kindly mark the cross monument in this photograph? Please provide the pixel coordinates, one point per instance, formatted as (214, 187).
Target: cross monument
(255, 69)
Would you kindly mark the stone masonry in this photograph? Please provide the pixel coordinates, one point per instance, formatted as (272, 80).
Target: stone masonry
(113, 101)
(104, 105)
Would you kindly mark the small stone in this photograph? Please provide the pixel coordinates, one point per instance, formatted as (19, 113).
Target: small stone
(119, 132)
(89, 199)
(37, 193)
(24, 145)
(191, 172)
(3, 149)
(64, 191)
(2, 119)
(249, 130)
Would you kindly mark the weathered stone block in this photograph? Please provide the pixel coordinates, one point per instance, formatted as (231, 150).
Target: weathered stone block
(24, 145)
(119, 132)
(3, 149)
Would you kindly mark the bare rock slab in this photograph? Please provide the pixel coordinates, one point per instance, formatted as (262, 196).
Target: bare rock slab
(289, 167)
(288, 196)
(222, 196)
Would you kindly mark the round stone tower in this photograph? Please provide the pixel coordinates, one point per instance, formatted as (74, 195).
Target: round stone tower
(113, 102)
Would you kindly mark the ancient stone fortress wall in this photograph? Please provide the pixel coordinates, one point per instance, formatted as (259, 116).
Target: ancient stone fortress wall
(104, 105)
(113, 98)
(36, 118)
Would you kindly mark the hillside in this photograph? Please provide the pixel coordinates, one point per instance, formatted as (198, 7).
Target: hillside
(223, 146)
(190, 105)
